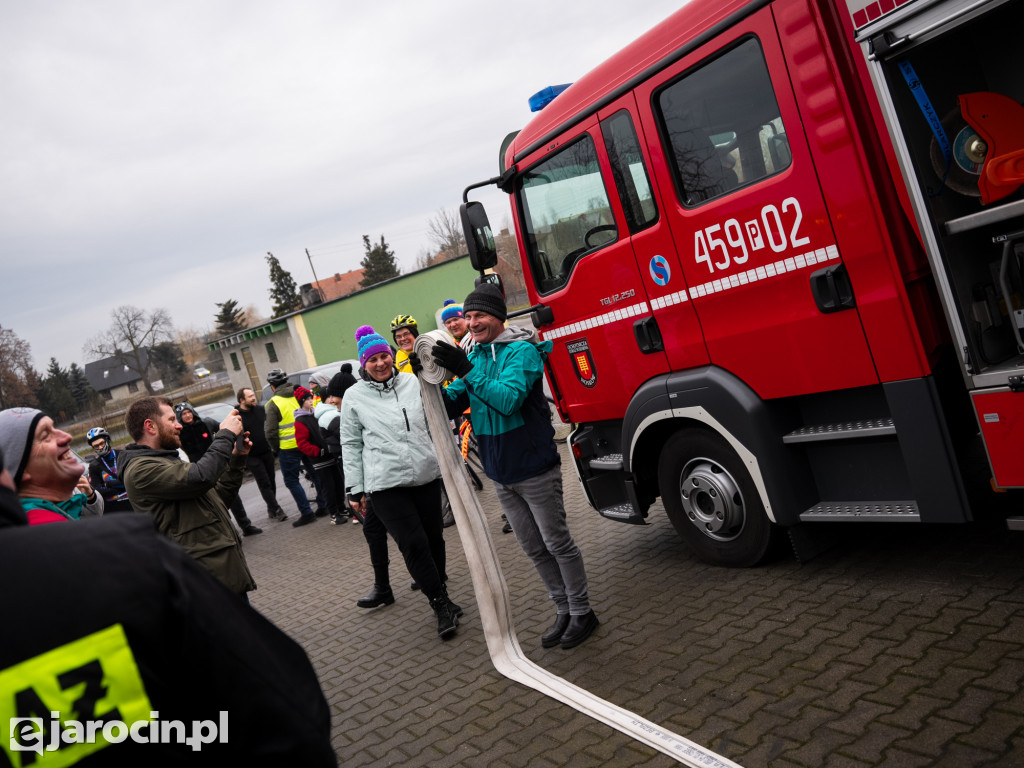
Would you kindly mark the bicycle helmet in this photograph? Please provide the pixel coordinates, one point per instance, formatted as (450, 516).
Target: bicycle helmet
(95, 434)
(405, 321)
(277, 377)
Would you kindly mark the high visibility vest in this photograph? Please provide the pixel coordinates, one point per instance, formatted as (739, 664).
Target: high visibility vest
(286, 429)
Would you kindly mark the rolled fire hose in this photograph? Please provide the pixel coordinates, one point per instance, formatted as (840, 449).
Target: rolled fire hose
(492, 592)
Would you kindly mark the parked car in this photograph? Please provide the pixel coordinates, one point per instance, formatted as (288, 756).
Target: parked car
(201, 372)
(216, 411)
(297, 378)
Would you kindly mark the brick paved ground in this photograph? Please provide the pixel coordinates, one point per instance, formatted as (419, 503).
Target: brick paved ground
(903, 646)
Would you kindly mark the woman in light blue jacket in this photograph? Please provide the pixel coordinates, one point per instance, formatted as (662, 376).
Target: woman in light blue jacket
(388, 457)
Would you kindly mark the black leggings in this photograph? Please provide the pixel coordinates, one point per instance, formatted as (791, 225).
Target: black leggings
(412, 516)
(333, 483)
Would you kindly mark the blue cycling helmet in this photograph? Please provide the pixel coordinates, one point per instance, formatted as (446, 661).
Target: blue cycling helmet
(95, 434)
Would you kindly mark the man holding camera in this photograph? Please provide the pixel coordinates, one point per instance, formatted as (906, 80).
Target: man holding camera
(189, 502)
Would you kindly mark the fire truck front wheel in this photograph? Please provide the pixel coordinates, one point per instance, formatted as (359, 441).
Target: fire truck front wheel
(711, 500)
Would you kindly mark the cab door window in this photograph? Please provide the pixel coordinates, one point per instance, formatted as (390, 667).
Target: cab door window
(629, 171)
(566, 213)
(722, 126)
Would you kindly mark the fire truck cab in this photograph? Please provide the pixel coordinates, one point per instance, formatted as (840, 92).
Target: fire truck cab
(778, 248)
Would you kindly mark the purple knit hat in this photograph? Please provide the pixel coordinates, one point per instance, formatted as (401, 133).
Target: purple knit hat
(370, 343)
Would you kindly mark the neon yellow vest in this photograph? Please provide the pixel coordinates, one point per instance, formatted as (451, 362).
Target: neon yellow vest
(286, 429)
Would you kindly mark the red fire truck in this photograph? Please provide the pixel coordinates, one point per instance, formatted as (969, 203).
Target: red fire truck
(777, 246)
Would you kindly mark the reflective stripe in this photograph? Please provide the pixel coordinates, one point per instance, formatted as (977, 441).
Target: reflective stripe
(286, 430)
(94, 678)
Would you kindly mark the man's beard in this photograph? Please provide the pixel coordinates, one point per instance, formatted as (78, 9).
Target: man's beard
(169, 440)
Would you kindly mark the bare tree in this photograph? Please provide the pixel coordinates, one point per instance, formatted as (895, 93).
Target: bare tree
(15, 370)
(423, 260)
(128, 340)
(254, 316)
(192, 343)
(510, 267)
(445, 231)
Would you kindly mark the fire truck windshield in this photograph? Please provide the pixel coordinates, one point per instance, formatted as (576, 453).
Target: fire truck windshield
(565, 211)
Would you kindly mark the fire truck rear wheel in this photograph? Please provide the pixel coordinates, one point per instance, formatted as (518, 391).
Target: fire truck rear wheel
(711, 500)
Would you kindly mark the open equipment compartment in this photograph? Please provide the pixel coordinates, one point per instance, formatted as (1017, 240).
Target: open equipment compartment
(947, 60)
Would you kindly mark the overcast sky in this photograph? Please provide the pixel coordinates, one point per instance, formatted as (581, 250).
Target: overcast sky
(152, 153)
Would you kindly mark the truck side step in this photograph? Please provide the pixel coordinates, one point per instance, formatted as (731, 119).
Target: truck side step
(841, 431)
(611, 461)
(623, 513)
(1015, 523)
(864, 511)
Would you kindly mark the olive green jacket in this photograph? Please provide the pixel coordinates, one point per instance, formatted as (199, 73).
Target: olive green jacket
(190, 503)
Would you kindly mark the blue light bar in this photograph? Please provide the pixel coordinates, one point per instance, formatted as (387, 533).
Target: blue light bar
(542, 98)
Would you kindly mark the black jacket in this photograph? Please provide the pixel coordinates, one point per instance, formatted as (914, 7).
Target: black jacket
(254, 422)
(188, 647)
(103, 476)
(197, 436)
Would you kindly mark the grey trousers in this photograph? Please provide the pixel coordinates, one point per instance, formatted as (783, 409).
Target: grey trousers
(536, 513)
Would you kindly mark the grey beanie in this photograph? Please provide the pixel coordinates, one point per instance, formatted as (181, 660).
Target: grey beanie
(487, 298)
(17, 432)
(320, 379)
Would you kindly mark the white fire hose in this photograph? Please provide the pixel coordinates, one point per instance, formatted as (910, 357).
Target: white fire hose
(492, 593)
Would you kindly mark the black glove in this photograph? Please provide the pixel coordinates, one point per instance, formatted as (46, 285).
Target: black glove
(452, 358)
(414, 363)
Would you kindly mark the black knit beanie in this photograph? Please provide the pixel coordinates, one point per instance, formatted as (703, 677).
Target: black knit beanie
(340, 382)
(487, 298)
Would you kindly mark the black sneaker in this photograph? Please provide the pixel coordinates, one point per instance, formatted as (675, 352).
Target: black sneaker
(304, 520)
(278, 514)
(251, 530)
(321, 512)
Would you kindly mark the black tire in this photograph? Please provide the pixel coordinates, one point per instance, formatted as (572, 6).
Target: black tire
(712, 501)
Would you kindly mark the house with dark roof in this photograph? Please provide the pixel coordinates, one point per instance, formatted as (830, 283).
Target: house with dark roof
(113, 379)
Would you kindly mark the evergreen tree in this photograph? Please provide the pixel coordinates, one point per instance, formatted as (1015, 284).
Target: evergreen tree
(170, 366)
(85, 396)
(379, 263)
(231, 318)
(55, 373)
(55, 397)
(284, 294)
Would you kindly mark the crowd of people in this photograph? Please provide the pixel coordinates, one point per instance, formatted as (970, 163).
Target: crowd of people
(367, 446)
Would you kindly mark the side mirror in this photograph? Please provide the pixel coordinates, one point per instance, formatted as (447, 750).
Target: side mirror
(482, 252)
(493, 278)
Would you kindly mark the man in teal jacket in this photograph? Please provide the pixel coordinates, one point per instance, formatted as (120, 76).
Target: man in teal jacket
(500, 380)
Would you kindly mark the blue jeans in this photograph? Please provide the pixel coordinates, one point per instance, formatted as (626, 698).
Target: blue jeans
(536, 513)
(291, 466)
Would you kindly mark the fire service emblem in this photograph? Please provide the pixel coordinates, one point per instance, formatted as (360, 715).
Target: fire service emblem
(583, 363)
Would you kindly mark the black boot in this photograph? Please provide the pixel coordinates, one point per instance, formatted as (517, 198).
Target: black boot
(553, 636)
(447, 622)
(579, 629)
(456, 610)
(379, 595)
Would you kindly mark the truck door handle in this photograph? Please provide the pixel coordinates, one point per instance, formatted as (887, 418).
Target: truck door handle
(648, 335)
(832, 289)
